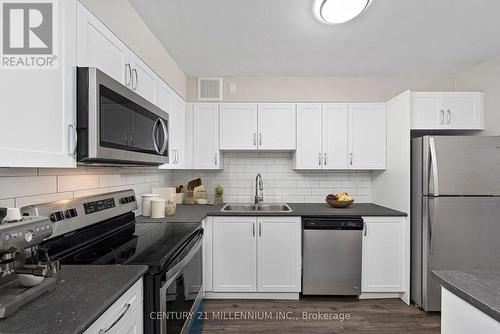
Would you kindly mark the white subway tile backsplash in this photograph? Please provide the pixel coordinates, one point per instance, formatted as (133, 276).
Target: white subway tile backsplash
(7, 203)
(281, 183)
(29, 200)
(111, 180)
(77, 182)
(18, 172)
(26, 186)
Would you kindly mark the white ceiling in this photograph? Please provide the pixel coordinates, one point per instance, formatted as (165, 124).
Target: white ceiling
(283, 38)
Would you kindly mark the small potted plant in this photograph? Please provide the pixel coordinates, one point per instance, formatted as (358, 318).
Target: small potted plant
(219, 191)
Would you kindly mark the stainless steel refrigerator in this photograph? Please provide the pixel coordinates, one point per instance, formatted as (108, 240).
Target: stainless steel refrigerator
(455, 220)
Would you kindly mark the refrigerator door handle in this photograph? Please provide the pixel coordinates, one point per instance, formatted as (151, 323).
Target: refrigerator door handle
(432, 149)
(432, 219)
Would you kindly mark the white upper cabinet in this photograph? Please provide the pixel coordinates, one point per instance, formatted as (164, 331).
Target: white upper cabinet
(383, 264)
(447, 110)
(279, 268)
(335, 136)
(37, 112)
(238, 126)
(464, 110)
(340, 136)
(276, 125)
(367, 136)
(206, 136)
(309, 153)
(168, 102)
(246, 126)
(143, 80)
(177, 133)
(98, 47)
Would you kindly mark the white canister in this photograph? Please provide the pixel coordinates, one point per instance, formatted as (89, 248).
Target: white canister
(146, 204)
(157, 208)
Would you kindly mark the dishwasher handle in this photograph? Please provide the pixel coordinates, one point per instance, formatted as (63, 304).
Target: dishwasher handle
(333, 224)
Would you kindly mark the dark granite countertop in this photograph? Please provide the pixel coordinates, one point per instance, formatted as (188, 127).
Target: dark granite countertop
(196, 213)
(479, 288)
(81, 296)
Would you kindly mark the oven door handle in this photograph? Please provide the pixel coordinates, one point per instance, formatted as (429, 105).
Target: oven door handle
(189, 256)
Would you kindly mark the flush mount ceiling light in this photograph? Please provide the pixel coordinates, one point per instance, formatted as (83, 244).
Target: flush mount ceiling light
(339, 11)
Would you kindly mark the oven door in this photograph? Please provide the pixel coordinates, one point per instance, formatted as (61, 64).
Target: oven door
(181, 293)
(116, 125)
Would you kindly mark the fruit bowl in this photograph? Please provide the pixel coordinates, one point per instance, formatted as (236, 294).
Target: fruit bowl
(339, 204)
(339, 200)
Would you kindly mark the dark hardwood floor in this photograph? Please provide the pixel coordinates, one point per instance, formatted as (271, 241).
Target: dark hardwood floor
(376, 316)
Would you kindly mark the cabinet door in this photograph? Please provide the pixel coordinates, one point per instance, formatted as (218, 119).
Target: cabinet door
(177, 130)
(134, 324)
(335, 136)
(383, 265)
(367, 136)
(238, 126)
(165, 101)
(37, 112)
(309, 137)
(206, 136)
(427, 110)
(276, 125)
(207, 253)
(464, 110)
(279, 254)
(98, 46)
(143, 80)
(234, 254)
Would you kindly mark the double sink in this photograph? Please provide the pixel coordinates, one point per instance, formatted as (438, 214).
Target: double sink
(256, 208)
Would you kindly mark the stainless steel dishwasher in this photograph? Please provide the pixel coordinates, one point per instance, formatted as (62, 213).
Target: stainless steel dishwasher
(331, 256)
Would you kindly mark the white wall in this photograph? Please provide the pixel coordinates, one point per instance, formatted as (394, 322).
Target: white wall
(322, 89)
(25, 186)
(484, 77)
(126, 23)
(281, 183)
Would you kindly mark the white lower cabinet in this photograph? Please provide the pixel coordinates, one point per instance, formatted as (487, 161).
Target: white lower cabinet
(124, 316)
(278, 254)
(254, 254)
(234, 254)
(383, 259)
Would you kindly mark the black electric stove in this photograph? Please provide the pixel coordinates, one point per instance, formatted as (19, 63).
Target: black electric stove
(172, 251)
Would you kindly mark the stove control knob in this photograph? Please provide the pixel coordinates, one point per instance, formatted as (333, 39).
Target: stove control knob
(28, 236)
(7, 237)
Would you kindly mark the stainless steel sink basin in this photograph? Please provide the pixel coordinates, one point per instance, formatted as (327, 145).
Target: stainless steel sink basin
(238, 207)
(254, 208)
(275, 207)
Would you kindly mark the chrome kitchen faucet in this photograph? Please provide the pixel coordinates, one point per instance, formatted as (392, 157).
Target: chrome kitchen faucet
(259, 185)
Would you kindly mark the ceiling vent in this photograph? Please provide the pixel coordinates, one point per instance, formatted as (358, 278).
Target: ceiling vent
(209, 89)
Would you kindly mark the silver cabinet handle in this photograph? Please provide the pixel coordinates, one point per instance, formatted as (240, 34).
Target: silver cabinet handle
(215, 158)
(449, 116)
(442, 117)
(365, 228)
(260, 138)
(134, 74)
(260, 229)
(128, 70)
(176, 156)
(319, 159)
(253, 229)
(118, 318)
(72, 150)
(254, 139)
(350, 158)
(165, 136)
(325, 161)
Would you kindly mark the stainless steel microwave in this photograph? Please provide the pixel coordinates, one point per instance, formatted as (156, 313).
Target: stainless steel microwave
(116, 125)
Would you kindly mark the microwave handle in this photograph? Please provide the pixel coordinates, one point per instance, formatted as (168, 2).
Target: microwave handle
(155, 128)
(165, 136)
